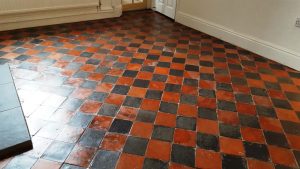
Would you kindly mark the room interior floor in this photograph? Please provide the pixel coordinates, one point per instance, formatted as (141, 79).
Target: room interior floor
(142, 91)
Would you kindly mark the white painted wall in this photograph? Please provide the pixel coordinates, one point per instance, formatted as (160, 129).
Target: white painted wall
(265, 27)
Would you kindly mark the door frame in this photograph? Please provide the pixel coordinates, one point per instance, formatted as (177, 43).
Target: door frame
(137, 6)
(152, 6)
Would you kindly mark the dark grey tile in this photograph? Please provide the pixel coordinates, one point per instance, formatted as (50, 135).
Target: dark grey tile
(183, 155)
(154, 164)
(188, 123)
(120, 126)
(132, 101)
(91, 138)
(105, 160)
(146, 116)
(168, 107)
(163, 133)
(109, 109)
(136, 145)
(208, 141)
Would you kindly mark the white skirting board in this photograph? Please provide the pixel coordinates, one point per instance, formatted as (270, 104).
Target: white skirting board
(57, 16)
(258, 46)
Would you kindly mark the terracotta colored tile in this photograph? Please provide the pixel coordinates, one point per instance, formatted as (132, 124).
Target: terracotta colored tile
(171, 97)
(113, 142)
(144, 75)
(159, 150)
(247, 109)
(224, 95)
(157, 85)
(228, 117)
(101, 123)
(116, 99)
(82, 93)
(81, 156)
(226, 146)
(207, 126)
(88, 68)
(127, 113)
(185, 137)
(178, 166)
(270, 124)
(96, 76)
(104, 87)
(125, 81)
(137, 92)
(189, 90)
(252, 135)
(207, 102)
(175, 80)
(264, 101)
(141, 129)
(46, 164)
(207, 84)
(188, 110)
(294, 141)
(90, 107)
(288, 115)
(149, 104)
(165, 119)
(282, 156)
(257, 164)
(130, 161)
(208, 159)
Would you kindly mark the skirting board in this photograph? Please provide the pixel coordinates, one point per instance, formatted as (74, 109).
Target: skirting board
(65, 16)
(258, 46)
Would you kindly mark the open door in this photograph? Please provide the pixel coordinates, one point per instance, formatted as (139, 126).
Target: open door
(129, 5)
(166, 7)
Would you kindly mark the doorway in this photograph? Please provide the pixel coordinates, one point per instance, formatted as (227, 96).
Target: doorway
(166, 7)
(129, 5)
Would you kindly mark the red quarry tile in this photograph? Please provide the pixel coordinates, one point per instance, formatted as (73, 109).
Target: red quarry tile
(252, 135)
(101, 123)
(247, 109)
(282, 156)
(46, 164)
(82, 93)
(294, 141)
(165, 119)
(159, 150)
(228, 117)
(188, 110)
(171, 97)
(270, 124)
(207, 126)
(81, 156)
(116, 99)
(185, 137)
(208, 159)
(226, 146)
(141, 129)
(150, 104)
(288, 115)
(127, 113)
(125, 81)
(137, 92)
(130, 161)
(113, 142)
(90, 107)
(257, 164)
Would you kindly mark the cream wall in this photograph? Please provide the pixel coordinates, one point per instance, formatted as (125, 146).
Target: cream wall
(266, 27)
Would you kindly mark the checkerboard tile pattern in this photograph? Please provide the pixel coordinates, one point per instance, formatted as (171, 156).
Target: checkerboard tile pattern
(145, 92)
